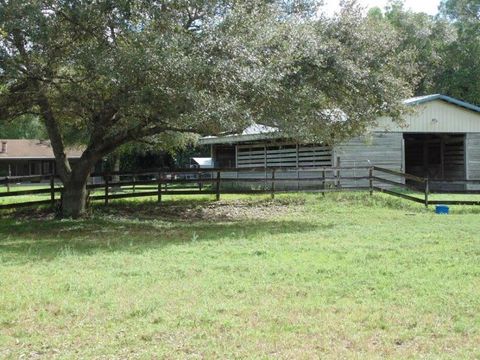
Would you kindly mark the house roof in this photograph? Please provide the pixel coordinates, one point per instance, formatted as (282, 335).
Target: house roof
(261, 132)
(18, 149)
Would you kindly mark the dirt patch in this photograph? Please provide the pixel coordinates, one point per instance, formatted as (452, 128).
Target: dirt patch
(207, 211)
(233, 212)
(179, 211)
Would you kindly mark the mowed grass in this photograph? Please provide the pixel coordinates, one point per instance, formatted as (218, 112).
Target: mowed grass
(304, 276)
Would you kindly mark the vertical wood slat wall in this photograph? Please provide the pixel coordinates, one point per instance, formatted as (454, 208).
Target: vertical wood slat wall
(286, 155)
(271, 155)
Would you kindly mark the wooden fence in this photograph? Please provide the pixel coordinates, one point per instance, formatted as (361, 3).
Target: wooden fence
(420, 183)
(216, 182)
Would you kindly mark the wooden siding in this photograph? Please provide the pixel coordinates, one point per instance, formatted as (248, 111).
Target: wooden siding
(274, 154)
(472, 145)
(435, 117)
(379, 149)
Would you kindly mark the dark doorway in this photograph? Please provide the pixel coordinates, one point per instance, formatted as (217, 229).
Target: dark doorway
(224, 156)
(439, 157)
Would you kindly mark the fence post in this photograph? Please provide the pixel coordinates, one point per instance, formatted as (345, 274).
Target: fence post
(217, 197)
(52, 190)
(134, 181)
(265, 186)
(298, 179)
(9, 173)
(338, 172)
(273, 184)
(427, 191)
(106, 180)
(370, 179)
(159, 179)
(324, 183)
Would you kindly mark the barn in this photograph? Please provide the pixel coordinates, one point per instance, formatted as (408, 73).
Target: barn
(440, 140)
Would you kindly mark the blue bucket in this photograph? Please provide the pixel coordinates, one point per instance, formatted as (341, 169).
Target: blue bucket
(442, 209)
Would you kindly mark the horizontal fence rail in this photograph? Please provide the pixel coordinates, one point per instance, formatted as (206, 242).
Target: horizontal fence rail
(245, 180)
(402, 184)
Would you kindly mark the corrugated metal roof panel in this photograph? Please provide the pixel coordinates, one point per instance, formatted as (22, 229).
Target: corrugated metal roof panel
(435, 116)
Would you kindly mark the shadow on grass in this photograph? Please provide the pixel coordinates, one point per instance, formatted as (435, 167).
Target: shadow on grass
(23, 240)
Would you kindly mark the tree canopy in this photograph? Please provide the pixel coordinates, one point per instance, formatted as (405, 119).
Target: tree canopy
(446, 47)
(24, 127)
(461, 75)
(107, 73)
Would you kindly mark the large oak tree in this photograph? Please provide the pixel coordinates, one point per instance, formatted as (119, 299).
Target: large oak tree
(106, 73)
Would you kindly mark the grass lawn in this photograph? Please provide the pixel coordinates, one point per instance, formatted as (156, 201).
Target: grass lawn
(304, 276)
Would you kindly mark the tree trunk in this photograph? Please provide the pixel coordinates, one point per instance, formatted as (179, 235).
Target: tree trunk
(74, 197)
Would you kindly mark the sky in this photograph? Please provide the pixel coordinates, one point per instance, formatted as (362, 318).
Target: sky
(428, 6)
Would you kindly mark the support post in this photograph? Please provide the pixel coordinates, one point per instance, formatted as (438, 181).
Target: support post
(217, 195)
(106, 188)
(265, 186)
(134, 181)
(427, 191)
(8, 175)
(370, 180)
(52, 190)
(273, 184)
(200, 184)
(338, 172)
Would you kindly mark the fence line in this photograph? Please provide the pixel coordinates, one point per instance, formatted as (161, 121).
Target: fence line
(161, 182)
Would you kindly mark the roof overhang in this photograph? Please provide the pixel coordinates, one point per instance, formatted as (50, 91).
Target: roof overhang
(234, 139)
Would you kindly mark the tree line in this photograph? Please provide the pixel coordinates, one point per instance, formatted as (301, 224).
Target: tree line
(446, 47)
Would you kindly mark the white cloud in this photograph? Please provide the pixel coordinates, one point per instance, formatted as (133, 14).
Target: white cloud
(427, 6)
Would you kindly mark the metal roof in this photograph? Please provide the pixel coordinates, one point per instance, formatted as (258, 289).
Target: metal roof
(261, 132)
(251, 133)
(203, 162)
(427, 98)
